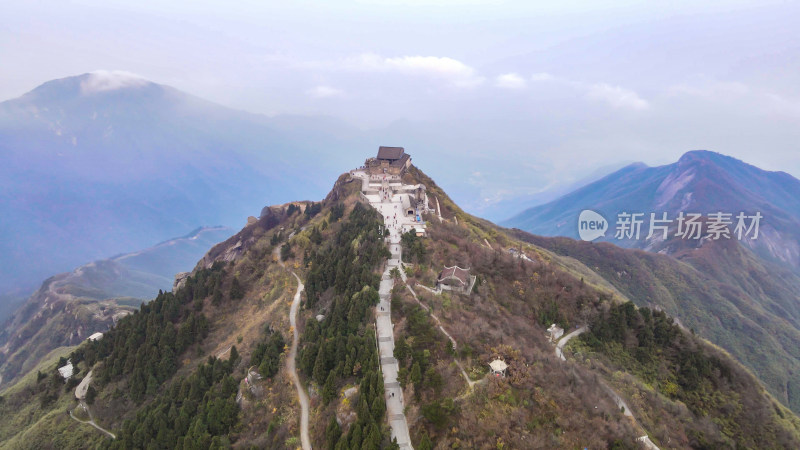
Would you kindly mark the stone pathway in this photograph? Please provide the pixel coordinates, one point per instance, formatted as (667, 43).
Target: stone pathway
(390, 208)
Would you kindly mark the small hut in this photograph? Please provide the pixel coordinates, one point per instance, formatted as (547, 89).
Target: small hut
(498, 368)
(95, 337)
(67, 370)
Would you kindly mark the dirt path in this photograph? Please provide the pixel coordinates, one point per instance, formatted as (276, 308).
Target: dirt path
(80, 394)
(433, 316)
(470, 383)
(91, 421)
(276, 255)
(292, 369)
(626, 410)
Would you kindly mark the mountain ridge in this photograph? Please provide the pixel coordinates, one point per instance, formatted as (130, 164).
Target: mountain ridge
(68, 307)
(202, 365)
(700, 181)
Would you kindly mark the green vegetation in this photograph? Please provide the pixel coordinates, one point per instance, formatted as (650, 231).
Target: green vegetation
(417, 355)
(156, 387)
(266, 356)
(194, 412)
(347, 262)
(413, 247)
(342, 346)
(729, 297)
(678, 365)
(312, 209)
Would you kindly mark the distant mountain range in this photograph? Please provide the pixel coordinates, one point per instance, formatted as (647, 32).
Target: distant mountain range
(106, 163)
(700, 182)
(70, 306)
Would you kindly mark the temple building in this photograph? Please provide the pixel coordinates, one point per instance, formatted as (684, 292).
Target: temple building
(455, 279)
(390, 161)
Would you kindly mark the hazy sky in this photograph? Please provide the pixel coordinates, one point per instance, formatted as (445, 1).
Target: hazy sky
(522, 96)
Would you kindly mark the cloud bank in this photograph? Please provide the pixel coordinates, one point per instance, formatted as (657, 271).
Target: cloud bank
(618, 97)
(325, 92)
(105, 80)
(510, 81)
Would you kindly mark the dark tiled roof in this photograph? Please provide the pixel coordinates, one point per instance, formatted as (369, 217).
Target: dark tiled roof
(402, 161)
(456, 272)
(390, 153)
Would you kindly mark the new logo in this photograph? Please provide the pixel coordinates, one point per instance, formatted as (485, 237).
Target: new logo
(591, 225)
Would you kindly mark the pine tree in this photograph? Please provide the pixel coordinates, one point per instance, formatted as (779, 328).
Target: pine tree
(217, 298)
(236, 289)
(416, 374)
(333, 433)
(425, 442)
(320, 366)
(329, 391)
(234, 357)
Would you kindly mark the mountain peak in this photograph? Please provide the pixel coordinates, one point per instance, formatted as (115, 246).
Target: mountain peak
(105, 80)
(89, 84)
(704, 155)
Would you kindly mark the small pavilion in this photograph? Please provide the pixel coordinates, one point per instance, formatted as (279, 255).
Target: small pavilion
(498, 368)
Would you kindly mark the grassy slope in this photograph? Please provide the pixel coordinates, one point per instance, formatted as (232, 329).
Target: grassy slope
(29, 425)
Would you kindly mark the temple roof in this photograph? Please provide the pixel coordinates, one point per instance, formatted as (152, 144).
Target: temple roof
(455, 272)
(390, 153)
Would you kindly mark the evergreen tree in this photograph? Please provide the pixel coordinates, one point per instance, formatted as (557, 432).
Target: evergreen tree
(236, 291)
(329, 391)
(416, 374)
(320, 366)
(333, 433)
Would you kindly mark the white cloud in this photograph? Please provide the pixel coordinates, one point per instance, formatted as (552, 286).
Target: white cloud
(105, 80)
(449, 69)
(325, 92)
(617, 97)
(542, 76)
(510, 81)
(711, 89)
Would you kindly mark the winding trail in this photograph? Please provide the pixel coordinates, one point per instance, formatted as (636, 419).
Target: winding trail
(291, 367)
(91, 421)
(80, 394)
(470, 383)
(565, 339)
(626, 410)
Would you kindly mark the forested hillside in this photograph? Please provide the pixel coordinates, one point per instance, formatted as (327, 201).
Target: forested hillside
(734, 311)
(205, 366)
